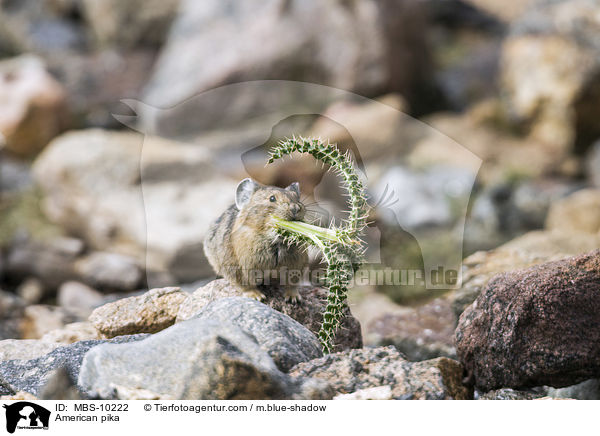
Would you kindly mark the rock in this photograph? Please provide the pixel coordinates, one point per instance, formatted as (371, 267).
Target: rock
(15, 175)
(129, 24)
(96, 82)
(112, 271)
(420, 333)
(92, 185)
(82, 204)
(33, 106)
(138, 394)
(499, 153)
(39, 319)
(201, 297)
(95, 78)
(149, 313)
(474, 37)
(533, 327)
(309, 313)
(19, 396)
(592, 164)
(31, 290)
(376, 393)
(50, 261)
(579, 212)
(11, 315)
(71, 333)
(32, 375)
(533, 199)
(354, 370)
(522, 252)
(55, 30)
(371, 123)
(511, 394)
(505, 12)
(78, 295)
(25, 349)
(384, 50)
(550, 65)
(504, 211)
(195, 359)
(587, 390)
(285, 340)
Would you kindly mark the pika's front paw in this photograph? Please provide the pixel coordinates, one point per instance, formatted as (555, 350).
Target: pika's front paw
(292, 296)
(254, 294)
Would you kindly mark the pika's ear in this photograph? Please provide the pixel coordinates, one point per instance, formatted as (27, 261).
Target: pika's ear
(244, 191)
(294, 187)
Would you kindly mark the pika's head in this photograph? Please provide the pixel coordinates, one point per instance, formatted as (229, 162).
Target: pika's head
(259, 201)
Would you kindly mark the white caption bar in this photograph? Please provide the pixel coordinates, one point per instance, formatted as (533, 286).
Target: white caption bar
(296, 417)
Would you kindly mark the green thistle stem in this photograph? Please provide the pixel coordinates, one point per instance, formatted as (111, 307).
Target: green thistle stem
(342, 247)
(306, 229)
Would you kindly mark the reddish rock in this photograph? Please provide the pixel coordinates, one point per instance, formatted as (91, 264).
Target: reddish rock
(537, 326)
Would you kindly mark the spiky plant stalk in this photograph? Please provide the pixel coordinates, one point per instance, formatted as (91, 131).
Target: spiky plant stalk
(342, 246)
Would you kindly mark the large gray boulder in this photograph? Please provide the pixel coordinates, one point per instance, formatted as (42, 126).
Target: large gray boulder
(196, 359)
(287, 341)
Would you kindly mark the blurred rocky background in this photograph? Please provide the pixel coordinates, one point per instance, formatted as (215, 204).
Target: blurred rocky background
(111, 171)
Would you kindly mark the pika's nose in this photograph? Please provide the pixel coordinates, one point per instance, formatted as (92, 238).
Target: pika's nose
(295, 209)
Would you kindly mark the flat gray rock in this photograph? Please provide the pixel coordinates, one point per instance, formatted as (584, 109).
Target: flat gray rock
(32, 375)
(196, 359)
(287, 341)
(25, 349)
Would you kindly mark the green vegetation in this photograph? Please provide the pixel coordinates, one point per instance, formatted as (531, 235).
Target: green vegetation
(22, 211)
(342, 247)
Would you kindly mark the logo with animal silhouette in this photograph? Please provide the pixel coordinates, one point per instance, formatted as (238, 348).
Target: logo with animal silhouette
(26, 415)
(418, 180)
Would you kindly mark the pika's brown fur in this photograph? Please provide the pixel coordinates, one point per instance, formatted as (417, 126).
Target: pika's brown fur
(241, 245)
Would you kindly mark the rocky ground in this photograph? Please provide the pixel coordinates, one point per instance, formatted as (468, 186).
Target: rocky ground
(479, 116)
(529, 334)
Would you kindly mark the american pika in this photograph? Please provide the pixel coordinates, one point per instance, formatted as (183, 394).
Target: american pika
(243, 248)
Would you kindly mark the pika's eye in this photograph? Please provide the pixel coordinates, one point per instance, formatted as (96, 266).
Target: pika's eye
(272, 199)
